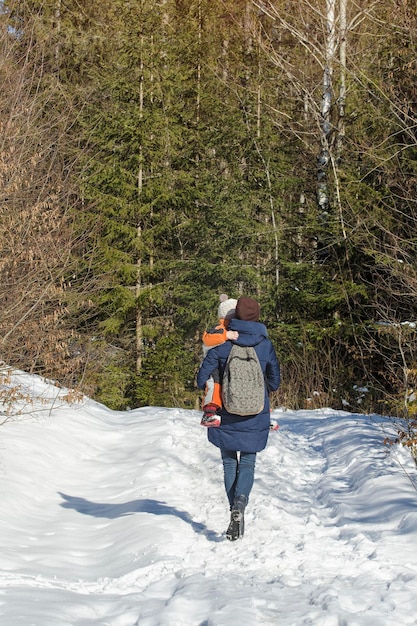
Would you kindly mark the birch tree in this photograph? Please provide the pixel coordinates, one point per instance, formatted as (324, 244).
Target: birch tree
(326, 106)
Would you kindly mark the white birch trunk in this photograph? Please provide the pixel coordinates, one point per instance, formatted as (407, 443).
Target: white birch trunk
(342, 93)
(326, 104)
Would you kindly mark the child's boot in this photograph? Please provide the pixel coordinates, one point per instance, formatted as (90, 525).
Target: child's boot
(210, 418)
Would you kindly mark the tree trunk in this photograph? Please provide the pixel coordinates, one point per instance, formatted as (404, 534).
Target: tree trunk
(139, 323)
(326, 105)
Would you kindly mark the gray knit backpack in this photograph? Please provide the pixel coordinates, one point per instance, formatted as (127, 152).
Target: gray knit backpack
(243, 385)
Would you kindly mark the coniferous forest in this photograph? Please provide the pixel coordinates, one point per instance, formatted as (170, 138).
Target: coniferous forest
(155, 154)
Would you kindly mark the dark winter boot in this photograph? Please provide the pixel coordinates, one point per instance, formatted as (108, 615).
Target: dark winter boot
(237, 519)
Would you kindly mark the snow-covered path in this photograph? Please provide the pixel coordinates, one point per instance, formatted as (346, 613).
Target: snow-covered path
(118, 519)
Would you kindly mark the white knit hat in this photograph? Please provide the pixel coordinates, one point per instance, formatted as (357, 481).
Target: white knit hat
(226, 308)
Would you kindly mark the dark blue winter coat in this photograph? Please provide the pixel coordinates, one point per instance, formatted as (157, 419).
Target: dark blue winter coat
(249, 433)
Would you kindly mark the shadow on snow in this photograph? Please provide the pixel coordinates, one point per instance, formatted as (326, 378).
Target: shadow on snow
(153, 507)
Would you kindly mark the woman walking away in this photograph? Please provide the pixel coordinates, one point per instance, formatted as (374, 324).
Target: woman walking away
(241, 437)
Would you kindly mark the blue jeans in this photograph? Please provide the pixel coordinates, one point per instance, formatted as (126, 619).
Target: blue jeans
(239, 473)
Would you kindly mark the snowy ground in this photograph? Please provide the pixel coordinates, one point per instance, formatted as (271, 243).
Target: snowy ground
(118, 519)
